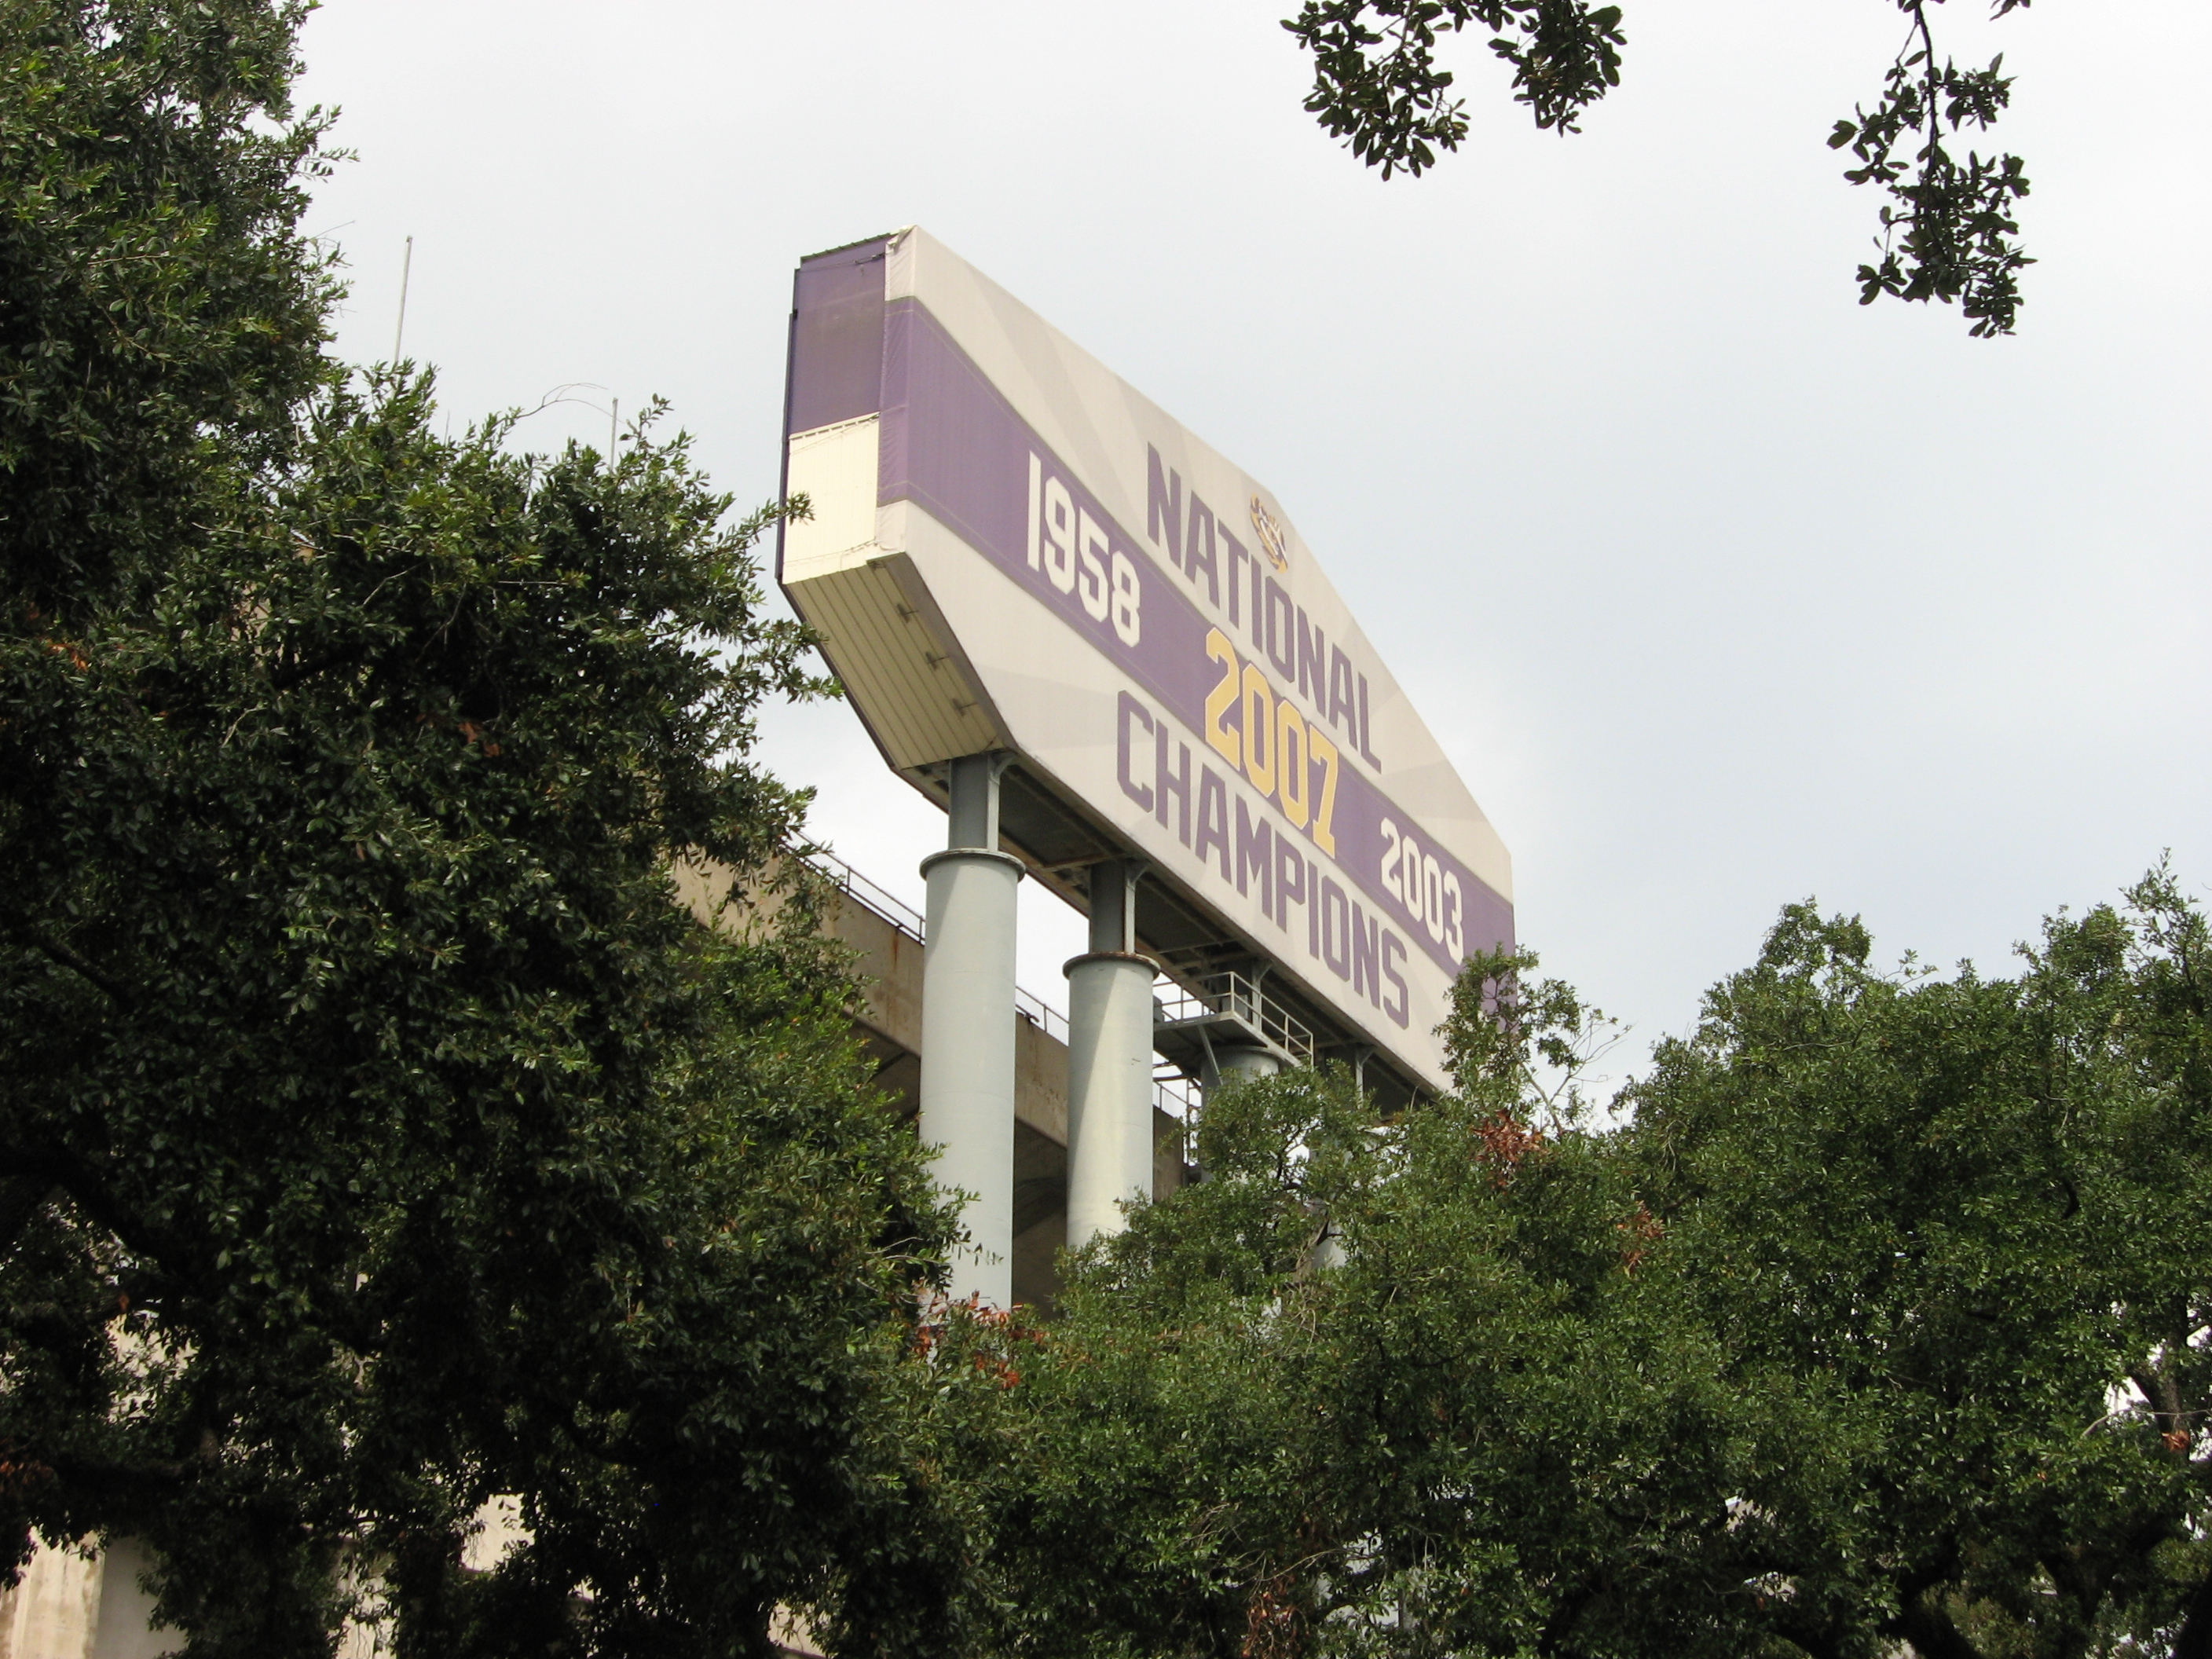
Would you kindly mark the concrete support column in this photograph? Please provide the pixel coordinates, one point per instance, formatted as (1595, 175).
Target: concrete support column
(1231, 1065)
(1109, 1063)
(967, 1027)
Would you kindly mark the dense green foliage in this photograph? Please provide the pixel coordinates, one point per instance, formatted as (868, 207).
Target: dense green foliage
(379, 1131)
(1967, 1224)
(1880, 1322)
(381, 1134)
(1365, 1389)
(1947, 226)
(160, 306)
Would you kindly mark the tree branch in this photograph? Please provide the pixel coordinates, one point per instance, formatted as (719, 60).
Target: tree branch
(2195, 1641)
(62, 956)
(20, 1198)
(1947, 231)
(1927, 1625)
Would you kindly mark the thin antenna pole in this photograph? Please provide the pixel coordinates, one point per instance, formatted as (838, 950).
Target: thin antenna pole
(614, 427)
(406, 270)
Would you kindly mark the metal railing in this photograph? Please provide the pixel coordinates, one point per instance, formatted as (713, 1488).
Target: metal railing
(842, 876)
(1238, 996)
(1178, 1095)
(1041, 1013)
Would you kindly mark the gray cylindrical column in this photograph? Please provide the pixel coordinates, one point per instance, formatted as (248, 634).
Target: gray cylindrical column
(1232, 1065)
(968, 1027)
(1109, 1090)
(1109, 1063)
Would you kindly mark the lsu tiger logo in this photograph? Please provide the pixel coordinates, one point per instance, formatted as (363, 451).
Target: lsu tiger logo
(1274, 540)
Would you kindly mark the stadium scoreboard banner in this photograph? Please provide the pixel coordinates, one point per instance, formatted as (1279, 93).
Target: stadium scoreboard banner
(1010, 548)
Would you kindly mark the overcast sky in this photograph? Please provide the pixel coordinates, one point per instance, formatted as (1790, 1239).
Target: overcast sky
(1720, 590)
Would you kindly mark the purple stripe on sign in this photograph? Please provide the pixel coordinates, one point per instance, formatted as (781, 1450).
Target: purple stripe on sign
(836, 337)
(953, 444)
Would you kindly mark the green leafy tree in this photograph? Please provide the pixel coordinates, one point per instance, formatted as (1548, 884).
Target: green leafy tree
(378, 1131)
(1875, 1322)
(1965, 1222)
(1948, 229)
(162, 308)
(1411, 1387)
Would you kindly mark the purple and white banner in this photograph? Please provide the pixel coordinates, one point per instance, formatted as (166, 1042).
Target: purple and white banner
(1151, 632)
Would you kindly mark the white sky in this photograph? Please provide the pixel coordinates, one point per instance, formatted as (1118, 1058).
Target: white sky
(1720, 590)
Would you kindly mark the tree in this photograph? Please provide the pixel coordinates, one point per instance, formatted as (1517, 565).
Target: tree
(1947, 228)
(1876, 1322)
(1407, 1387)
(379, 1133)
(1965, 1221)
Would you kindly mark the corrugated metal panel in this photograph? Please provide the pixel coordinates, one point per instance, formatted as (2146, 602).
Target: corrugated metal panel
(905, 682)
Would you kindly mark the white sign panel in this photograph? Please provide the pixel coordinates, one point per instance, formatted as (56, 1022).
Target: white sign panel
(1135, 616)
